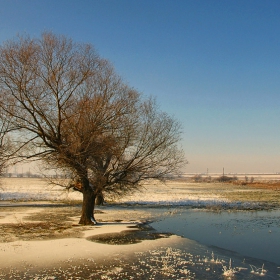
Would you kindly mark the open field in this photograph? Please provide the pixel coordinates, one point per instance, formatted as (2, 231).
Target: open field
(179, 192)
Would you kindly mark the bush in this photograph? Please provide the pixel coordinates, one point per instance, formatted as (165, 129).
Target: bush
(197, 178)
(227, 178)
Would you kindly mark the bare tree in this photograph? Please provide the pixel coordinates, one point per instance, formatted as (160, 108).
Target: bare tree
(138, 144)
(70, 109)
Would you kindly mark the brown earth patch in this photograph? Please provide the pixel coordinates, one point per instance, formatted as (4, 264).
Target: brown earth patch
(48, 223)
(37, 231)
(275, 186)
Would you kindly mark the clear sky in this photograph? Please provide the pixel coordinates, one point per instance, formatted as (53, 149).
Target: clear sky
(212, 64)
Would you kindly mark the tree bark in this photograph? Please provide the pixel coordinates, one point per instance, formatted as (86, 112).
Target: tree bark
(99, 199)
(87, 217)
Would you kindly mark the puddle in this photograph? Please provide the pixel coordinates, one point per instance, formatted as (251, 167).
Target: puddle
(138, 234)
(249, 233)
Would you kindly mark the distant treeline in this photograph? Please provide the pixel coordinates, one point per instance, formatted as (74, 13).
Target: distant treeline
(223, 178)
(31, 175)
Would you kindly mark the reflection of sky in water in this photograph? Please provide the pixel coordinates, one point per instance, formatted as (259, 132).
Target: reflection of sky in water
(254, 234)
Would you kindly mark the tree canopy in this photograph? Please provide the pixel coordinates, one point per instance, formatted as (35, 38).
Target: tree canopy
(70, 109)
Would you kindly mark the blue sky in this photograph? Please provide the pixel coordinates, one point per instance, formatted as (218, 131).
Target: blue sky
(212, 64)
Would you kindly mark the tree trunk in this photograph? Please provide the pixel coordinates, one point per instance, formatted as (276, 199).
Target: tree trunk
(87, 217)
(99, 199)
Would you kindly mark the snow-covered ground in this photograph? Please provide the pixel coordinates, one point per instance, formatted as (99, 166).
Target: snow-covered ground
(34, 189)
(175, 193)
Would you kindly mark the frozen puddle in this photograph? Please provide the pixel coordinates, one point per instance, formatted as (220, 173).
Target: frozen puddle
(250, 233)
(239, 244)
(192, 261)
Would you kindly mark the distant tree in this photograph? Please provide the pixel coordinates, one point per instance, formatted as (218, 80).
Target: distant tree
(70, 109)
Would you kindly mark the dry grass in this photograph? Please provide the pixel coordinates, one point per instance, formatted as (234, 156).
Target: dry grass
(264, 193)
(269, 185)
(50, 223)
(37, 231)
